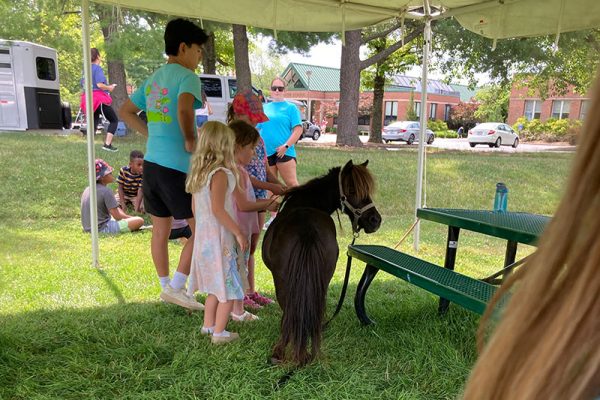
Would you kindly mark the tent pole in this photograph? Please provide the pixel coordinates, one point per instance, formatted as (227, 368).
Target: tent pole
(423, 128)
(89, 112)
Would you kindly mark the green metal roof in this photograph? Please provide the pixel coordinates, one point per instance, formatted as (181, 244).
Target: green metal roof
(322, 79)
(466, 94)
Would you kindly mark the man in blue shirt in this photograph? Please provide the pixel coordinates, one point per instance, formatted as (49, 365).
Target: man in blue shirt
(169, 97)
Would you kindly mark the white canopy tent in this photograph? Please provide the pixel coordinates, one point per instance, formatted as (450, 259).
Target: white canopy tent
(496, 19)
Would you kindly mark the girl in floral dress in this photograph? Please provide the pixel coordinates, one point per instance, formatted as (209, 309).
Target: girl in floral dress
(212, 179)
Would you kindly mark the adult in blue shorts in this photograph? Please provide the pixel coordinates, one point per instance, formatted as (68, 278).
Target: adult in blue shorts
(170, 97)
(280, 134)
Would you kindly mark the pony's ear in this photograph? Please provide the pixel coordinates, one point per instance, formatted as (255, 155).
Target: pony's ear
(365, 163)
(349, 164)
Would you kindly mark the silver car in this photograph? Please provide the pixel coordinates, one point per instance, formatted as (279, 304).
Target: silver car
(406, 131)
(494, 134)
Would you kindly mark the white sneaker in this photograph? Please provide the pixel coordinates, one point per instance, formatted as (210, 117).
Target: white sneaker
(269, 222)
(181, 298)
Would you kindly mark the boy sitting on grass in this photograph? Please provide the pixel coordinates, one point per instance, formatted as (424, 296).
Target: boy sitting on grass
(130, 180)
(107, 206)
(130, 183)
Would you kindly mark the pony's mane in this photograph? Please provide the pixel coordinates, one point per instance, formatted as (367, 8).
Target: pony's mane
(360, 177)
(364, 183)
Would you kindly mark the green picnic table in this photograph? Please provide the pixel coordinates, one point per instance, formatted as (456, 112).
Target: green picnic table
(515, 227)
(471, 293)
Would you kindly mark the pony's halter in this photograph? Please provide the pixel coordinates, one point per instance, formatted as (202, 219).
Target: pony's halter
(344, 203)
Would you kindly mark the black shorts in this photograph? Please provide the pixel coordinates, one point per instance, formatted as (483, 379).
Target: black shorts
(273, 159)
(164, 192)
(177, 233)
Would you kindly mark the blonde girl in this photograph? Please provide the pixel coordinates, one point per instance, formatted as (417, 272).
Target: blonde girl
(247, 207)
(212, 180)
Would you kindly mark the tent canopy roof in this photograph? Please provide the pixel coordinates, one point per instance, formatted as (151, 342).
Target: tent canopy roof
(493, 19)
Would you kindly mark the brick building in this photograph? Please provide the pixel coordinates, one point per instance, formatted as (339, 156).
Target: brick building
(526, 103)
(318, 86)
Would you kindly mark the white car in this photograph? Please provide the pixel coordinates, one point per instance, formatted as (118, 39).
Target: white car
(220, 91)
(494, 134)
(406, 131)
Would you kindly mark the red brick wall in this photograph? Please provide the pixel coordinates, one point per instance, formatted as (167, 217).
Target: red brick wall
(401, 97)
(518, 96)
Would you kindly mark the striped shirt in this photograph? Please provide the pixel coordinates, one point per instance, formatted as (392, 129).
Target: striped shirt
(130, 181)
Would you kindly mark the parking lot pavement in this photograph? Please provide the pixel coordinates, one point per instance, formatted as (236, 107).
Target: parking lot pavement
(463, 144)
(460, 144)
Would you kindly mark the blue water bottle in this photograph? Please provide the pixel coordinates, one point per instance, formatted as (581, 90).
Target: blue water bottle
(501, 199)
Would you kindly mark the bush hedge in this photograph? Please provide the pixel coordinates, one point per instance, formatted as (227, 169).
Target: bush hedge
(446, 134)
(437, 125)
(552, 130)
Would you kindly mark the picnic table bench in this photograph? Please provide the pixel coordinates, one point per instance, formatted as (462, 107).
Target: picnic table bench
(451, 286)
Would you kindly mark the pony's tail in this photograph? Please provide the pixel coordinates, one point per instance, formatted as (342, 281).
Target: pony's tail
(304, 308)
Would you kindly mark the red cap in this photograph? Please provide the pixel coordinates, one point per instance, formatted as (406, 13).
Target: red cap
(247, 103)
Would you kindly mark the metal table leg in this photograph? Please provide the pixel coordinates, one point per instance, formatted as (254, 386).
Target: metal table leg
(361, 291)
(509, 258)
(451, 247)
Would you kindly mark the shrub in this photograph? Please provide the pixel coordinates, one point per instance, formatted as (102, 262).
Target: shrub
(521, 122)
(553, 130)
(411, 114)
(557, 127)
(437, 125)
(573, 132)
(448, 134)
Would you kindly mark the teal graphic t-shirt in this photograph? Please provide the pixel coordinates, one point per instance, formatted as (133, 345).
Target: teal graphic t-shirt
(283, 117)
(158, 97)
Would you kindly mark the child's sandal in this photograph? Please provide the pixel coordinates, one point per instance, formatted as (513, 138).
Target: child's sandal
(245, 317)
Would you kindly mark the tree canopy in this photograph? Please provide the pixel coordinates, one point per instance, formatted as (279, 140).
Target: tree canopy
(462, 54)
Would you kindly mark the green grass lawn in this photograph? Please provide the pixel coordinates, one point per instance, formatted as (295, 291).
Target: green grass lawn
(71, 331)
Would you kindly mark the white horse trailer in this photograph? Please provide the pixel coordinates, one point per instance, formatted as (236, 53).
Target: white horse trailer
(29, 87)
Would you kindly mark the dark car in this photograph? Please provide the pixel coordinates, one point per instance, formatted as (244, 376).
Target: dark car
(310, 130)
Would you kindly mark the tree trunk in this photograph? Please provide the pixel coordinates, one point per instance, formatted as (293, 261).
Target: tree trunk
(116, 71)
(116, 67)
(378, 90)
(242, 63)
(347, 129)
(209, 56)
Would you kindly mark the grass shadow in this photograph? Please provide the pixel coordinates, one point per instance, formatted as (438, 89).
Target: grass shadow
(111, 285)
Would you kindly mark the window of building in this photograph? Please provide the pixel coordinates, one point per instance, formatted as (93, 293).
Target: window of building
(391, 112)
(432, 110)
(212, 87)
(46, 68)
(533, 109)
(585, 106)
(447, 109)
(560, 109)
(418, 108)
